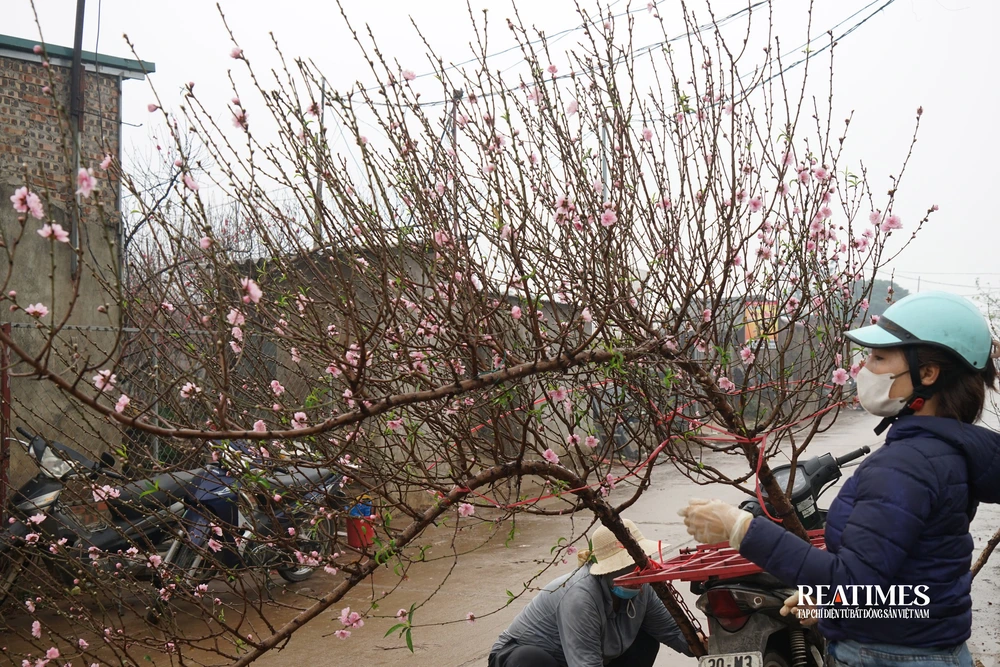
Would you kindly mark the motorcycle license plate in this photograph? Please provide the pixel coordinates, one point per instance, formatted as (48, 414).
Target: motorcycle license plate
(753, 659)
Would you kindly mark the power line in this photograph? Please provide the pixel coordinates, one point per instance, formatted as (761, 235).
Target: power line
(937, 282)
(454, 66)
(854, 27)
(634, 52)
(948, 273)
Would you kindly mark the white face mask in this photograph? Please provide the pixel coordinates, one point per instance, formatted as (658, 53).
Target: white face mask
(873, 393)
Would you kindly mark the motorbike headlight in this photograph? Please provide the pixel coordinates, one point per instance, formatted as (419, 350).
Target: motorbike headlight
(39, 503)
(53, 466)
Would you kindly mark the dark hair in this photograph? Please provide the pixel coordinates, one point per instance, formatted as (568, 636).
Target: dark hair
(960, 391)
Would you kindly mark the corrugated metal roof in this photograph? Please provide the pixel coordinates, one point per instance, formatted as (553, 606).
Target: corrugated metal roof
(62, 56)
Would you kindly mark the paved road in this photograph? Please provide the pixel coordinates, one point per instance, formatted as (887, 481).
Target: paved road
(476, 582)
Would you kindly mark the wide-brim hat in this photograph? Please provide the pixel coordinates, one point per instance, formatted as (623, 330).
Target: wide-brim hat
(611, 555)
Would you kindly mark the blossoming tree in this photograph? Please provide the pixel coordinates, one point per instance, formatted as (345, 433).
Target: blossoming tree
(542, 290)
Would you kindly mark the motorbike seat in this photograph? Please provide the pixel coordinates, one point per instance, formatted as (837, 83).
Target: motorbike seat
(300, 477)
(153, 493)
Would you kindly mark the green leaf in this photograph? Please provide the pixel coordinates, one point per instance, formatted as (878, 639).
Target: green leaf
(409, 640)
(154, 487)
(393, 629)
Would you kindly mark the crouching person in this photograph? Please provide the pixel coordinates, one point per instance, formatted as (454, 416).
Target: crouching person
(583, 620)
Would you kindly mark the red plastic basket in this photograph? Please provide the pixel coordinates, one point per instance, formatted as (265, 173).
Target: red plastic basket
(704, 562)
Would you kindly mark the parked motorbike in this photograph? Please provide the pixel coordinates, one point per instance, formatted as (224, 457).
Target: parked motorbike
(746, 628)
(244, 513)
(142, 515)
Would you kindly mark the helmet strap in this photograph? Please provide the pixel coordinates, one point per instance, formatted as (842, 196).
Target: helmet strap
(921, 392)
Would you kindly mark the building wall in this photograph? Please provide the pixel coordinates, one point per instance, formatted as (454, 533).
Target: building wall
(36, 150)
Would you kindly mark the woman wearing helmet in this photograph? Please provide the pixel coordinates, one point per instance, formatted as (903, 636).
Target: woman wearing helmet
(901, 521)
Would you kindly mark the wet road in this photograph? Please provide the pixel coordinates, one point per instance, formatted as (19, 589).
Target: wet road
(480, 579)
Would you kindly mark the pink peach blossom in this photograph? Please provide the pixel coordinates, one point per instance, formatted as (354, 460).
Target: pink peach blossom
(54, 231)
(253, 291)
(190, 389)
(240, 119)
(85, 182)
(104, 380)
(891, 223)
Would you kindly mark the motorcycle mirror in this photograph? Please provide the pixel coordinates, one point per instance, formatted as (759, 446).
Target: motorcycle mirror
(38, 446)
(108, 460)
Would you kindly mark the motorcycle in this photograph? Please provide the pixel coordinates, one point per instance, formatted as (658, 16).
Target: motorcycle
(247, 513)
(141, 514)
(746, 628)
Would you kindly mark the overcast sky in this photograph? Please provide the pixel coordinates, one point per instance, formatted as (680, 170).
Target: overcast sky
(932, 53)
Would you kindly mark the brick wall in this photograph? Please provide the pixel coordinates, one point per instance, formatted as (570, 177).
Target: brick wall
(36, 150)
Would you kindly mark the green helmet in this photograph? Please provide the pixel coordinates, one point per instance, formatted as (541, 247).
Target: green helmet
(939, 319)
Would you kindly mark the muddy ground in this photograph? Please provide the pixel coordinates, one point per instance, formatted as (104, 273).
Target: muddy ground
(477, 582)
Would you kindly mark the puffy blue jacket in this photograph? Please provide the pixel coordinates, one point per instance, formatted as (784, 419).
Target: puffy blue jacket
(901, 518)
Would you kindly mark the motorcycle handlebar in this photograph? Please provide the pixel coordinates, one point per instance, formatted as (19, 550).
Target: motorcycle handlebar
(76, 456)
(856, 454)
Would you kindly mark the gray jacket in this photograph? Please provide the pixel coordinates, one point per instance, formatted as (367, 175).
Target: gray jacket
(573, 619)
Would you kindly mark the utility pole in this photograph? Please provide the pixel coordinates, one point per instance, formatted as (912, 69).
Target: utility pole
(456, 97)
(605, 190)
(918, 283)
(320, 144)
(76, 120)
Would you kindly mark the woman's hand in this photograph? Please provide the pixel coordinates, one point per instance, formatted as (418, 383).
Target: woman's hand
(804, 612)
(712, 521)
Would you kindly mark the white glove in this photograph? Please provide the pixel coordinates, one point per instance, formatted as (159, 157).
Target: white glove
(792, 605)
(711, 521)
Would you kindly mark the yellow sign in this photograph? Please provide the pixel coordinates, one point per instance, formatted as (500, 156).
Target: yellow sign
(761, 320)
